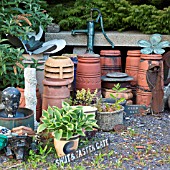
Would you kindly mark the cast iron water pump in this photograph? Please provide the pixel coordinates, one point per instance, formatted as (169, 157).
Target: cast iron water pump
(90, 31)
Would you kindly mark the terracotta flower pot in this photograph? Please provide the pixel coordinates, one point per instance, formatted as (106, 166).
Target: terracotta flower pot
(132, 65)
(66, 146)
(110, 61)
(88, 72)
(143, 97)
(125, 94)
(39, 102)
(144, 65)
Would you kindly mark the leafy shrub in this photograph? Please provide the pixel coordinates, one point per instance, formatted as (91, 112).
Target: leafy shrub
(117, 15)
(160, 4)
(18, 17)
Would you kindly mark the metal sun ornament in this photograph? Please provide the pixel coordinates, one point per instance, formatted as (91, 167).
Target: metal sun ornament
(154, 45)
(34, 45)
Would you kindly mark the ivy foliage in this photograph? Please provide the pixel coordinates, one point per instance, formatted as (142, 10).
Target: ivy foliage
(118, 15)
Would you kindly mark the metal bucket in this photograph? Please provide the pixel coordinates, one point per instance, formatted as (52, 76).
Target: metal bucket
(27, 120)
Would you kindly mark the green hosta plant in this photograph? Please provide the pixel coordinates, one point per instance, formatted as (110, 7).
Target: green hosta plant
(67, 121)
(154, 45)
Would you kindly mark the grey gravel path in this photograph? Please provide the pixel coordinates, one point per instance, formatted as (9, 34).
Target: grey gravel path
(145, 145)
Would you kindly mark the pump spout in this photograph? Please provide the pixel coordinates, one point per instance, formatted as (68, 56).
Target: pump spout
(74, 32)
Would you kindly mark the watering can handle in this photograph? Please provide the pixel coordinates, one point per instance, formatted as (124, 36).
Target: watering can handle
(101, 23)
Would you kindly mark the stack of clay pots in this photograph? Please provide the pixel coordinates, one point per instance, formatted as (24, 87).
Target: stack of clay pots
(132, 67)
(112, 79)
(144, 94)
(59, 74)
(127, 94)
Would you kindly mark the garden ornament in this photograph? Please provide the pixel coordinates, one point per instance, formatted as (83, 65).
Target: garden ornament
(34, 45)
(90, 31)
(10, 99)
(154, 71)
(18, 146)
(154, 45)
(153, 77)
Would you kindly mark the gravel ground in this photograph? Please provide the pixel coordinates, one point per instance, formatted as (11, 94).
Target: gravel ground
(144, 145)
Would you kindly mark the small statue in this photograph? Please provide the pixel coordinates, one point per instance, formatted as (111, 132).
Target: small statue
(10, 99)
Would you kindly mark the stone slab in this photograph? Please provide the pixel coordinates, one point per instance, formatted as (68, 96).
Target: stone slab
(127, 38)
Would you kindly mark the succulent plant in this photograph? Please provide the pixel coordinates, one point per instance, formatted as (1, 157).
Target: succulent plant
(34, 45)
(154, 45)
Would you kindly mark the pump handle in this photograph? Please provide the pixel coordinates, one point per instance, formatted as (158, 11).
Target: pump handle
(99, 17)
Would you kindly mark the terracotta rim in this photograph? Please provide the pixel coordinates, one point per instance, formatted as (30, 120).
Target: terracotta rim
(89, 55)
(151, 56)
(135, 53)
(110, 52)
(56, 82)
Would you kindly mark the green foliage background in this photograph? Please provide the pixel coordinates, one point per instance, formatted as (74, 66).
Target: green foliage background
(147, 16)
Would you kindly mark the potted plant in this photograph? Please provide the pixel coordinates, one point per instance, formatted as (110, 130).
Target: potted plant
(85, 99)
(110, 114)
(67, 123)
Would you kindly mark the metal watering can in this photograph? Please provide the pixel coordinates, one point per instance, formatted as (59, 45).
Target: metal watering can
(91, 32)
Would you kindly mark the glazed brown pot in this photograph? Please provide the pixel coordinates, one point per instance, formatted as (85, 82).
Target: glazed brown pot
(55, 91)
(110, 61)
(132, 65)
(143, 67)
(39, 102)
(88, 72)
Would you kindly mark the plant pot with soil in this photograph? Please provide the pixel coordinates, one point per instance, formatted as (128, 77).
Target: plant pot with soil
(66, 124)
(110, 114)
